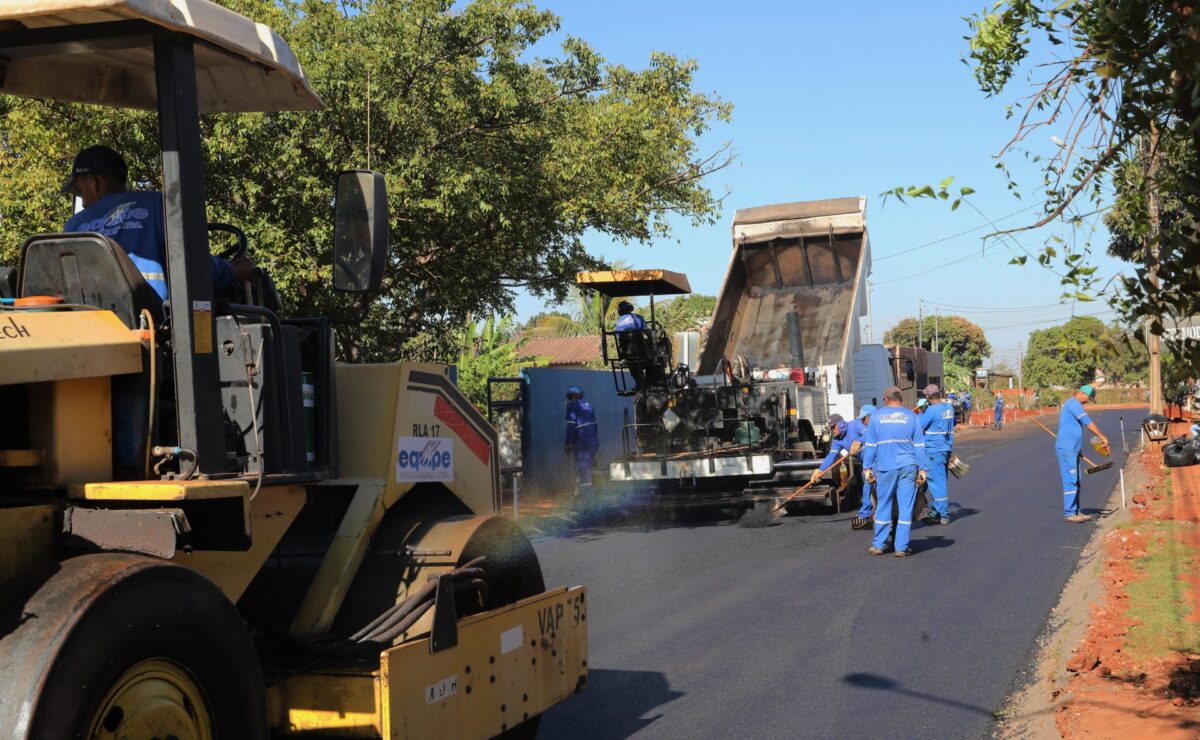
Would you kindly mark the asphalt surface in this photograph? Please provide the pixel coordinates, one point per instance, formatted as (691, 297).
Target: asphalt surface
(700, 628)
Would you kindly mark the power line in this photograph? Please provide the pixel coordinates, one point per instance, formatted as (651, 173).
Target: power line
(954, 236)
(995, 308)
(927, 271)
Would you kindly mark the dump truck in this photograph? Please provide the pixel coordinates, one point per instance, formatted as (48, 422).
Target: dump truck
(876, 366)
(209, 528)
(748, 422)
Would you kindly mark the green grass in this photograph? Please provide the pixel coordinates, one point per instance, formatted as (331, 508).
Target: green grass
(1160, 601)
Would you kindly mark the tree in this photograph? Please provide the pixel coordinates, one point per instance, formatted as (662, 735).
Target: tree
(487, 351)
(1123, 358)
(963, 342)
(497, 161)
(1064, 356)
(685, 312)
(1120, 88)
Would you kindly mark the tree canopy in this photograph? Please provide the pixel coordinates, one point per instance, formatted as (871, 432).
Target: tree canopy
(498, 160)
(961, 340)
(1082, 348)
(1116, 80)
(685, 312)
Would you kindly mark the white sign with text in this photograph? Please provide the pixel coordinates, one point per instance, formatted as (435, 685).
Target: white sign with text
(420, 459)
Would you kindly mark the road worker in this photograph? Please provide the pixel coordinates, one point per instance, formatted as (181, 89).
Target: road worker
(1072, 420)
(967, 407)
(843, 435)
(583, 438)
(998, 423)
(894, 459)
(937, 425)
(867, 507)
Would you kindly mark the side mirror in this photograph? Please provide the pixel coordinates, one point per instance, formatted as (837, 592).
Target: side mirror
(908, 370)
(360, 231)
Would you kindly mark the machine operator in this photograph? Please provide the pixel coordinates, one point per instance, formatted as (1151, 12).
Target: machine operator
(132, 219)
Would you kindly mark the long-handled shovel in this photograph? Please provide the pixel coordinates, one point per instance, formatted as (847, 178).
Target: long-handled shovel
(1094, 467)
(763, 514)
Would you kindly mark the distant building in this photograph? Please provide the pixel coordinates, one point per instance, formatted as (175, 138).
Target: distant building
(562, 352)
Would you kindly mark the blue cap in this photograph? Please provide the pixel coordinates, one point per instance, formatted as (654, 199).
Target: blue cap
(866, 411)
(922, 403)
(574, 391)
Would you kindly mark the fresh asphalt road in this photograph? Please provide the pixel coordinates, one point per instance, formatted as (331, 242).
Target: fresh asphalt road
(706, 629)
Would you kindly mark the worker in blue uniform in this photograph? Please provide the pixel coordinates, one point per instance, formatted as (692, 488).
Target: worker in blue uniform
(999, 421)
(894, 459)
(1072, 420)
(583, 438)
(967, 407)
(627, 319)
(937, 424)
(842, 437)
(858, 427)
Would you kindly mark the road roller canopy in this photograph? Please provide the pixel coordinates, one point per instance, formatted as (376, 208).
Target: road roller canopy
(103, 51)
(619, 283)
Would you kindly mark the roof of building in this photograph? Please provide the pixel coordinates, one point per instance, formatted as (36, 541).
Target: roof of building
(563, 350)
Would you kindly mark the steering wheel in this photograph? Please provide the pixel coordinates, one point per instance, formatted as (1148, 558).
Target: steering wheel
(238, 250)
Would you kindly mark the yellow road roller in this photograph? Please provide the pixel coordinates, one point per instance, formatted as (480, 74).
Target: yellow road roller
(208, 527)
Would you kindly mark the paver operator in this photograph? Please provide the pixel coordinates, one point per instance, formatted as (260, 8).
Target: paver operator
(937, 424)
(627, 319)
(1072, 420)
(132, 219)
(894, 459)
(583, 438)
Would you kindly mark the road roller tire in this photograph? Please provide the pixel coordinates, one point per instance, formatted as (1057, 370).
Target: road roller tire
(124, 646)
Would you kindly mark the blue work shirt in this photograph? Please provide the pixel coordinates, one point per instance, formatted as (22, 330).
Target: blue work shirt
(999, 402)
(582, 433)
(1071, 422)
(894, 440)
(967, 399)
(937, 424)
(629, 321)
(135, 221)
(854, 431)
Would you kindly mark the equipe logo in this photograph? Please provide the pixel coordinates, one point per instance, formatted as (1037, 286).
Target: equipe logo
(424, 459)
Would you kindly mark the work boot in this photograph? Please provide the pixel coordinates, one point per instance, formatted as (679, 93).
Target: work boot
(1078, 518)
(944, 520)
(875, 550)
(902, 553)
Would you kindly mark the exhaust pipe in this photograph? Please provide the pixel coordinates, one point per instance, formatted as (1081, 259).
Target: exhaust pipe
(794, 342)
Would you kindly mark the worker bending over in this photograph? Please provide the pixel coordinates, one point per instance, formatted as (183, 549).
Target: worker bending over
(894, 459)
(843, 436)
(1067, 445)
(937, 425)
(583, 438)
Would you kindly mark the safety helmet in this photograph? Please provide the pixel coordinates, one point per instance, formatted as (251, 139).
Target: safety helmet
(624, 307)
(574, 391)
(866, 411)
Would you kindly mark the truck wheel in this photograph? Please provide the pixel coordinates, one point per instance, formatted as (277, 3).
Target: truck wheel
(123, 646)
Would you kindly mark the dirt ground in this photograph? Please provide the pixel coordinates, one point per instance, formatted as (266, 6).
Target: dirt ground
(1122, 656)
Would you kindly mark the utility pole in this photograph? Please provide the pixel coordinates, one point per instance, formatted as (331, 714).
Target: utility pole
(1021, 368)
(870, 317)
(920, 325)
(937, 336)
(1152, 340)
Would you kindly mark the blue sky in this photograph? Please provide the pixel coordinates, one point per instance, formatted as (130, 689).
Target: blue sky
(841, 99)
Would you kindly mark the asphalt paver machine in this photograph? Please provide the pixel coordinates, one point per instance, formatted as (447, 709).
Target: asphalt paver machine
(208, 528)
